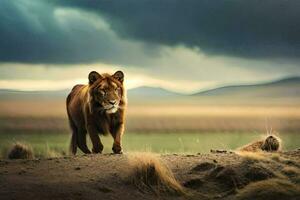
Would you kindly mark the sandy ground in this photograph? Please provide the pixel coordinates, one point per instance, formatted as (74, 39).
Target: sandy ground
(204, 176)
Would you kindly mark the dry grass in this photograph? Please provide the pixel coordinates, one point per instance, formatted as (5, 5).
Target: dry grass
(291, 171)
(20, 151)
(16, 115)
(271, 189)
(53, 154)
(148, 173)
(257, 156)
(284, 160)
(56, 108)
(144, 123)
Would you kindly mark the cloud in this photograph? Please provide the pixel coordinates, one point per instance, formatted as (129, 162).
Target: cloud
(180, 45)
(179, 69)
(250, 29)
(38, 31)
(133, 32)
(31, 77)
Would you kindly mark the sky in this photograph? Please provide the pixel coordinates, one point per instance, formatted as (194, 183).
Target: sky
(181, 45)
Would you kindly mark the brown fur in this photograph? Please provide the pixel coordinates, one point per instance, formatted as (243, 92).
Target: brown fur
(271, 143)
(97, 108)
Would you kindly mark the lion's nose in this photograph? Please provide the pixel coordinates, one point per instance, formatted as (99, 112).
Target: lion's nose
(112, 102)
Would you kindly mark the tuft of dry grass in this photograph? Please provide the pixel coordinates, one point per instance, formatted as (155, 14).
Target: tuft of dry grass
(271, 189)
(291, 171)
(148, 173)
(20, 151)
(256, 156)
(51, 153)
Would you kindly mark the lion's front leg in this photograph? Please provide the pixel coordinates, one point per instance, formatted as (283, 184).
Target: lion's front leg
(97, 145)
(117, 135)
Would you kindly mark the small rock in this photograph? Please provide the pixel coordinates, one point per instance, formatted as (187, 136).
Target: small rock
(190, 155)
(218, 151)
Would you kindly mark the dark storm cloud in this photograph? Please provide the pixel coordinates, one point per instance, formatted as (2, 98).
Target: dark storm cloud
(30, 31)
(245, 28)
(32, 35)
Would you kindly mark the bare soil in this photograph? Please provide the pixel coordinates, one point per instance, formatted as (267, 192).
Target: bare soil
(225, 175)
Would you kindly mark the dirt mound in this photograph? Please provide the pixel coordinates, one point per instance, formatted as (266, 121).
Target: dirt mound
(193, 183)
(238, 176)
(20, 151)
(258, 173)
(147, 176)
(204, 166)
(227, 179)
(272, 189)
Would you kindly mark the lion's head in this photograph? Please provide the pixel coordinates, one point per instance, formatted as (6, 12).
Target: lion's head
(106, 91)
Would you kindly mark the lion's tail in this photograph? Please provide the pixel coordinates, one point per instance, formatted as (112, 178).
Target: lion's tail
(73, 143)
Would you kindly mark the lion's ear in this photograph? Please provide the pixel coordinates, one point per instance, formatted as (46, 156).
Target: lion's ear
(93, 76)
(119, 75)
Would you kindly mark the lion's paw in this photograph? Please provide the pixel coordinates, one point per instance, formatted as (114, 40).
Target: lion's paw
(117, 149)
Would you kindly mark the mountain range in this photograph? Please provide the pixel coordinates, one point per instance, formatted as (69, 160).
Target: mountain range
(288, 87)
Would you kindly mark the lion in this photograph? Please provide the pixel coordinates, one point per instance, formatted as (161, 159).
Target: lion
(97, 108)
(269, 144)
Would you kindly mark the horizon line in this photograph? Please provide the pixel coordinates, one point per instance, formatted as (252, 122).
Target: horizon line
(218, 86)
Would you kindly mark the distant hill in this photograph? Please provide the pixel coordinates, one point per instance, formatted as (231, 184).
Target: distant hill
(149, 92)
(19, 95)
(289, 87)
(139, 92)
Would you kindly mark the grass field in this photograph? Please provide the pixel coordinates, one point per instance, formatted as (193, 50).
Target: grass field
(189, 125)
(54, 144)
(161, 116)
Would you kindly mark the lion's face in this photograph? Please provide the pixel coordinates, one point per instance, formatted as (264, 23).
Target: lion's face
(106, 90)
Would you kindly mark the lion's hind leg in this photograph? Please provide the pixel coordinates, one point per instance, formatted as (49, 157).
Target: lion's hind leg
(81, 141)
(73, 145)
